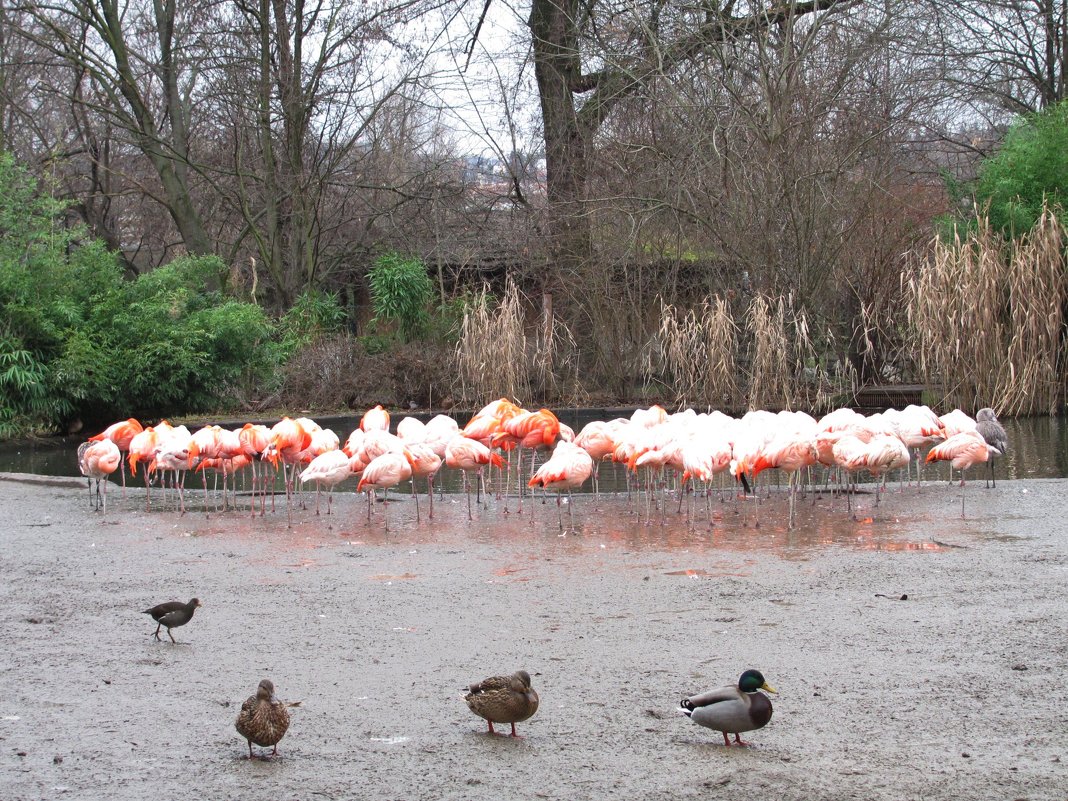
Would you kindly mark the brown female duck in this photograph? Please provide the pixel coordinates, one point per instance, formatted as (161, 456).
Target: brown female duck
(503, 699)
(263, 719)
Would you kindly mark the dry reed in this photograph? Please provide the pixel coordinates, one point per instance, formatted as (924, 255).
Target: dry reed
(554, 360)
(496, 356)
(696, 351)
(989, 318)
(769, 365)
(490, 353)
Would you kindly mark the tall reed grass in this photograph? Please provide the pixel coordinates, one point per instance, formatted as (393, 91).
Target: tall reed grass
(695, 352)
(989, 318)
(500, 354)
(766, 359)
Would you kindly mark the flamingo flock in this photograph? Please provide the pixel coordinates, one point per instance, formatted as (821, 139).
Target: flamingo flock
(685, 449)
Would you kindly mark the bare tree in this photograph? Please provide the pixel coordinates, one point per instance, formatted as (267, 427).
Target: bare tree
(590, 56)
(256, 117)
(1012, 54)
(138, 65)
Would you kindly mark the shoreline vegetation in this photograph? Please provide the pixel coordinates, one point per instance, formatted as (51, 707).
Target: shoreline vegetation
(978, 316)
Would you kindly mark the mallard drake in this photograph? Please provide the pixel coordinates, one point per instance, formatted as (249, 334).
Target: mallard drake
(503, 699)
(172, 614)
(263, 719)
(732, 709)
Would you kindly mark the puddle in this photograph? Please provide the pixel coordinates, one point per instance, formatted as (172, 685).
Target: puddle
(608, 526)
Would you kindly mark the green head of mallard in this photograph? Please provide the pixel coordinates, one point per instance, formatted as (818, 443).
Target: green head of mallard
(753, 680)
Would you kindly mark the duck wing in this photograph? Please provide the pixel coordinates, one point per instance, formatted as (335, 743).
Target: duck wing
(717, 696)
(502, 699)
(728, 709)
(492, 684)
(244, 717)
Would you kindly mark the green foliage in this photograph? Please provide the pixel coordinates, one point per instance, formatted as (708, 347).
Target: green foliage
(400, 294)
(183, 348)
(1031, 168)
(375, 344)
(48, 283)
(447, 321)
(315, 315)
(24, 389)
(77, 340)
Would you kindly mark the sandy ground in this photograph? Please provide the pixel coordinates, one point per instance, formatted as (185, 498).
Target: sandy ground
(955, 693)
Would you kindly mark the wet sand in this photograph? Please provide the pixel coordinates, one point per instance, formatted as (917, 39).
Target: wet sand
(956, 692)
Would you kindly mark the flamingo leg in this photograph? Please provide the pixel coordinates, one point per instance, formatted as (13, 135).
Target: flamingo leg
(792, 489)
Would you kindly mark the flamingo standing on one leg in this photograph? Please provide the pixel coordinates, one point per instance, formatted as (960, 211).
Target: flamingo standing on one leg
(962, 451)
(383, 472)
(98, 460)
(330, 468)
(567, 468)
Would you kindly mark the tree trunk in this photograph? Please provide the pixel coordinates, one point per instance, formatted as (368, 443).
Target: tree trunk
(169, 157)
(557, 69)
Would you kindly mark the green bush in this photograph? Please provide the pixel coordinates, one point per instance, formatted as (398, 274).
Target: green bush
(400, 294)
(49, 282)
(316, 314)
(76, 340)
(179, 347)
(1030, 168)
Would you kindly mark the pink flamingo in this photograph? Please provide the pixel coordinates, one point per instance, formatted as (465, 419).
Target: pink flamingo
(791, 452)
(470, 455)
(121, 433)
(425, 462)
(98, 460)
(330, 468)
(568, 467)
(383, 472)
(376, 419)
(961, 451)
